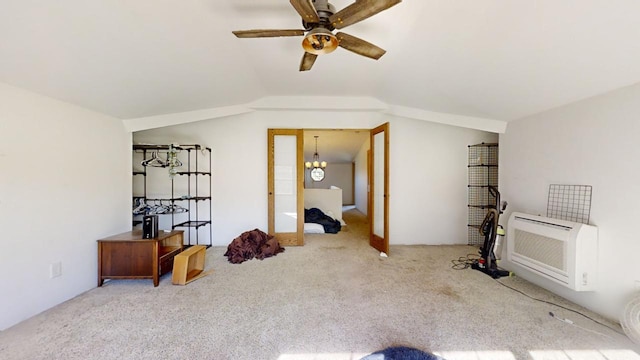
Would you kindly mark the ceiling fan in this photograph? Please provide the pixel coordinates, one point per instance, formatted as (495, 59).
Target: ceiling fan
(319, 19)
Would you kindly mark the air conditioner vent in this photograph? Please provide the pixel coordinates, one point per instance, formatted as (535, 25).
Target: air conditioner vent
(545, 250)
(562, 251)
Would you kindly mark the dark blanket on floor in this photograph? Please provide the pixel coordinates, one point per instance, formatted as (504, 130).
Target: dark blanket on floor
(315, 215)
(250, 244)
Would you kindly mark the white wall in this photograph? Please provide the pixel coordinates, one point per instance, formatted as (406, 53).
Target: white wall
(428, 170)
(65, 182)
(336, 174)
(592, 142)
(428, 178)
(329, 201)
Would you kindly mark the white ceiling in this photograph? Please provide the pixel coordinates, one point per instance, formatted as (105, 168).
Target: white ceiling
(334, 146)
(493, 59)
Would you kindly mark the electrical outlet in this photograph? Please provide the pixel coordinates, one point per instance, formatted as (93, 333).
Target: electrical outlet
(55, 269)
(637, 284)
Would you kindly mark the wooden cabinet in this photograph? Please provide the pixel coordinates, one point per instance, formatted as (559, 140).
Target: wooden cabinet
(129, 256)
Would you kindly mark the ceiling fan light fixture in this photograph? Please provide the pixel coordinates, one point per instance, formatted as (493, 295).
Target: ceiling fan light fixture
(319, 41)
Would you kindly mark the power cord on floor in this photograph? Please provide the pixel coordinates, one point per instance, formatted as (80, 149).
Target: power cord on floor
(562, 307)
(464, 262)
(578, 326)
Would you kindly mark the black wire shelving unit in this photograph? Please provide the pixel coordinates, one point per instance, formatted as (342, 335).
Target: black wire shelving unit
(188, 189)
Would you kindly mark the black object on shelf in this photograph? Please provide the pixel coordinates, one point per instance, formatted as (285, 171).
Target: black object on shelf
(149, 226)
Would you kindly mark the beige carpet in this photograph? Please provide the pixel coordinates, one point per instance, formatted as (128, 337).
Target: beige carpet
(334, 298)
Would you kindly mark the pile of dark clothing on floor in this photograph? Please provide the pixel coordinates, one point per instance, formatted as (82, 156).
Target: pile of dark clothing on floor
(315, 215)
(250, 244)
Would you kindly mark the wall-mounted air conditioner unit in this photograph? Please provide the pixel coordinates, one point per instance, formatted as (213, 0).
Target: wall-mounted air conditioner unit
(562, 251)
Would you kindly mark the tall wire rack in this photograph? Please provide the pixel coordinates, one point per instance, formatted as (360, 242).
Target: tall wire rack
(483, 172)
(570, 202)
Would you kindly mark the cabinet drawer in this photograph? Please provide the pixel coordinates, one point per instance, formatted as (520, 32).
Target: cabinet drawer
(127, 259)
(165, 262)
(166, 265)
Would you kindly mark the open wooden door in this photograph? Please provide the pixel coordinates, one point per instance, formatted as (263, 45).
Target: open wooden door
(379, 189)
(286, 185)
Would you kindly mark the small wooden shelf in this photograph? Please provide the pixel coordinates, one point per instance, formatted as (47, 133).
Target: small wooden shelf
(188, 266)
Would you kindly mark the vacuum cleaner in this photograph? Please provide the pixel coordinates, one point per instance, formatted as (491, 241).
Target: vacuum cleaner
(490, 229)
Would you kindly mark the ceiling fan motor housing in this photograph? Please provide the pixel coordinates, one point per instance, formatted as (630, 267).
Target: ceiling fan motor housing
(323, 6)
(324, 10)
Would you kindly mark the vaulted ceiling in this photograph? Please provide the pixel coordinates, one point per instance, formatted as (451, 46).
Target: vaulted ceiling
(492, 59)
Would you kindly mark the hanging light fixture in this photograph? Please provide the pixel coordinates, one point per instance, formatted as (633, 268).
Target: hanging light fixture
(319, 41)
(316, 166)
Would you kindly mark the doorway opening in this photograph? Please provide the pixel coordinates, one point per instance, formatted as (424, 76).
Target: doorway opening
(357, 167)
(355, 174)
(342, 193)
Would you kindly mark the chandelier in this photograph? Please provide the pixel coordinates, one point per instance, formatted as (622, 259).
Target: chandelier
(316, 166)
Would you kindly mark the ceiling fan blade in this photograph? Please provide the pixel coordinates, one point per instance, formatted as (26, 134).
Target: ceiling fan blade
(359, 46)
(267, 33)
(360, 10)
(307, 61)
(306, 10)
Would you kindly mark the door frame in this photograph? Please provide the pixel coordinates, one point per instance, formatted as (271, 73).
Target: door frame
(379, 243)
(288, 238)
